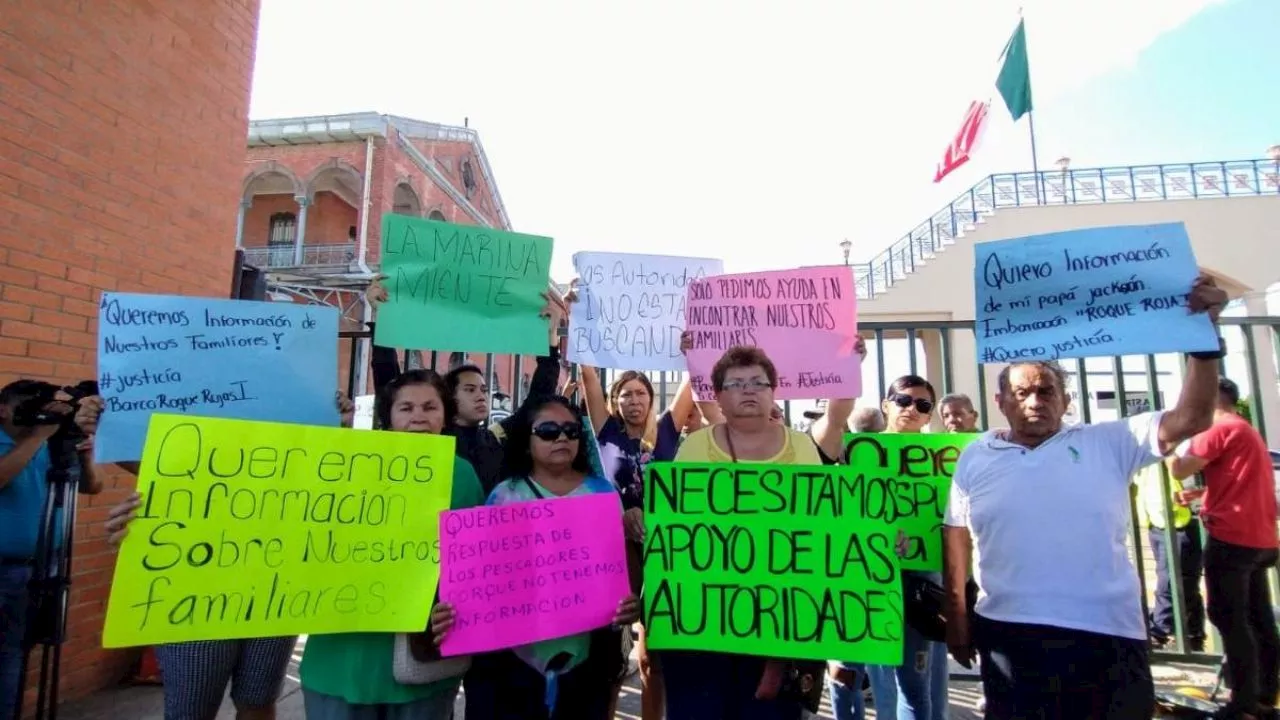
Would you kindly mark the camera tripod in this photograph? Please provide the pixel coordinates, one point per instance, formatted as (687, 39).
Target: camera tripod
(51, 572)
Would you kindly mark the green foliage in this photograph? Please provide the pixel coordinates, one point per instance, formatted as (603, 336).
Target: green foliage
(1245, 408)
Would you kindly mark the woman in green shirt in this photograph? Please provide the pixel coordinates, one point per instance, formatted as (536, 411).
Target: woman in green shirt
(349, 676)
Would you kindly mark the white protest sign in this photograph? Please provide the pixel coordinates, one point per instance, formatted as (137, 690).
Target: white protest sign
(364, 412)
(630, 309)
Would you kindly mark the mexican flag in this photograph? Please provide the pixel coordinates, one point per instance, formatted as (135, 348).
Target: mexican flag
(1013, 83)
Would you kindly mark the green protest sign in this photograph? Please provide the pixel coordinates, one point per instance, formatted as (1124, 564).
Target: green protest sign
(907, 477)
(462, 287)
(773, 560)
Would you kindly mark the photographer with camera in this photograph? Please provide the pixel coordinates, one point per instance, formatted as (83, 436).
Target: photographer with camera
(30, 415)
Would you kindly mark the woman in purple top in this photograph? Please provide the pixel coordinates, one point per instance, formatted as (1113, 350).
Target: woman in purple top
(630, 436)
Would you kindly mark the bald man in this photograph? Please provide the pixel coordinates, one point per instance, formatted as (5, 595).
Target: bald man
(867, 420)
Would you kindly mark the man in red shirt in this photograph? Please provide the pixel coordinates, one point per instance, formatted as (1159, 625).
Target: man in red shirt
(1239, 514)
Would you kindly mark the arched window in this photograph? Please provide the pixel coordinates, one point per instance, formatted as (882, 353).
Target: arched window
(436, 215)
(468, 178)
(282, 231)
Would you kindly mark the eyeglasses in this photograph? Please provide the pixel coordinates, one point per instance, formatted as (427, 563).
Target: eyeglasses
(551, 431)
(924, 407)
(753, 384)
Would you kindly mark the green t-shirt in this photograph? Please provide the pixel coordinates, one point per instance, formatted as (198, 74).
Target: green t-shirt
(357, 666)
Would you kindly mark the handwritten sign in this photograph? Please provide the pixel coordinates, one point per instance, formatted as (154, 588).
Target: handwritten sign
(804, 319)
(252, 529)
(1085, 293)
(531, 571)
(462, 287)
(630, 309)
(773, 560)
(905, 479)
(215, 358)
(363, 418)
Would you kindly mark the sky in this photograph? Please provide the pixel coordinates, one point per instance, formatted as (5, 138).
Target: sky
(745, 128)
(764, 133)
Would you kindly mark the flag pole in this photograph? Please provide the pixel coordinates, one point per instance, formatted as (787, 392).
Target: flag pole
(1031, 122)
(1035, 166)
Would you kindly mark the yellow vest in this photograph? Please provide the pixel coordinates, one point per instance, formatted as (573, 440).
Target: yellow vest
(1151, 503)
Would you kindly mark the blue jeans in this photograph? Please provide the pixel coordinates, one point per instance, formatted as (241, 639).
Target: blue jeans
(915, 690)
(847, 701)
(13, 627)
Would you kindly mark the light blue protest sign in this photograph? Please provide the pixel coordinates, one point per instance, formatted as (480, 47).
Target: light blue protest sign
(1087, 293)
(212, 358)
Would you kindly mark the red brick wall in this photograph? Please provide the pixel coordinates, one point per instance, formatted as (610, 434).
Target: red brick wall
(257, 218)
(329, 219)
(122, 125)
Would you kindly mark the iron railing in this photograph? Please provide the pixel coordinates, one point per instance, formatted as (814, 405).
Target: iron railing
(1133, 384)
(318, 256)
(1135, 183)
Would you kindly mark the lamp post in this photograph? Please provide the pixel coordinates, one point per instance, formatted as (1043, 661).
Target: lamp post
(1063, 164)
(845, 247)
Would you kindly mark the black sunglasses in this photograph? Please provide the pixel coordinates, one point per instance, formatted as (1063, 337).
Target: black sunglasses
(550, 431)
(924, 407)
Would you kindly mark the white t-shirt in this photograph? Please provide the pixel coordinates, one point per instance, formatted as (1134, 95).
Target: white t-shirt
(1049, 525)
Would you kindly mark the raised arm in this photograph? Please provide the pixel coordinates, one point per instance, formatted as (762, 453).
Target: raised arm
(546, 373)
(828, 431)
(681, 408)
(593, 391)
(1193, 412)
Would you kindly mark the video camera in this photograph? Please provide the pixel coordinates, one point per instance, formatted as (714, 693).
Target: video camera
(31, 412)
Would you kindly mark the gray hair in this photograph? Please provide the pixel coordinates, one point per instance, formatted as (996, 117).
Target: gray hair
(1050, 366)
(867, 420)
(957, 399)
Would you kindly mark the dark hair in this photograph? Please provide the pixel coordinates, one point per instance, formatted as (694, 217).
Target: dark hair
(1228, 392)
(1050, 366)
(907, 382)
(452, 379)
(387, 396)
(742, 356)
(957, 399)
(517, 461)
(20, 390)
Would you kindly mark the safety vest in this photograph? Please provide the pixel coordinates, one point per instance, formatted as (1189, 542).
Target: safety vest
(1150, 501)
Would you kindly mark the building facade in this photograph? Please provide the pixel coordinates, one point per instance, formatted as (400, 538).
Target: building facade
(121, 130)
(315, 190)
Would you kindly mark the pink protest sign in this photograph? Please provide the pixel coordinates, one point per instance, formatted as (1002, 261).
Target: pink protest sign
(804, 319)
(524, 572)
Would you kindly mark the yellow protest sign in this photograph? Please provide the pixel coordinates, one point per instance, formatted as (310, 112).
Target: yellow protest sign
(255, 529)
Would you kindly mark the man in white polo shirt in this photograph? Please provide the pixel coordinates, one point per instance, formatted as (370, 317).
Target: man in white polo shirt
(1042, 511)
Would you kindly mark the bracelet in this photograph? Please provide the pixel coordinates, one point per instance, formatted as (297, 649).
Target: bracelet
(1218, 354)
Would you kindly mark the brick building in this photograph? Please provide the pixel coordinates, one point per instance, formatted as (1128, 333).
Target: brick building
(305, 183)
(122, 126)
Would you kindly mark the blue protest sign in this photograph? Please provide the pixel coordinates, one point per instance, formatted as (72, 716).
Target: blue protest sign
(213, 358)
(1087, 293)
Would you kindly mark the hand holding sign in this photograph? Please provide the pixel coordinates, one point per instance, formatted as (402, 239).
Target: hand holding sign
(1207, 297)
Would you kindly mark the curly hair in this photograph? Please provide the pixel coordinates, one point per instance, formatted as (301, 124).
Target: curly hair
(742, 356)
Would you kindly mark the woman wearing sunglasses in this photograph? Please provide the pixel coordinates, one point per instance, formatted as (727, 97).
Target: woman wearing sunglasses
(571, 678)
(917, 689)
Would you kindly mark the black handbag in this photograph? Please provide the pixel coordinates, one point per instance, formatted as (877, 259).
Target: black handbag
(925, 602)
(803, 684)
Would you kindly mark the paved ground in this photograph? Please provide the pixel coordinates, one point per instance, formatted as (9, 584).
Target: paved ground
(144, 703)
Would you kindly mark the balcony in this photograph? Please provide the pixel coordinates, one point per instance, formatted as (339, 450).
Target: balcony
(335, 257)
